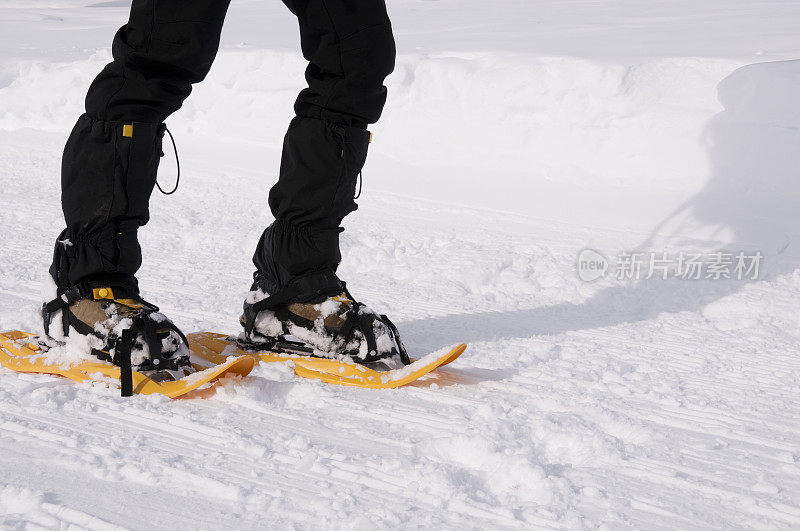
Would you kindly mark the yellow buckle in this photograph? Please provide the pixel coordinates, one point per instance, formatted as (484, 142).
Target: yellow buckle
(103, 293)
(108, 293)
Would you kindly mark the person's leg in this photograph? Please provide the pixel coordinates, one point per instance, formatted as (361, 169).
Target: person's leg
(108, 173)
(350, 49)
(296, 292)
(111, 158)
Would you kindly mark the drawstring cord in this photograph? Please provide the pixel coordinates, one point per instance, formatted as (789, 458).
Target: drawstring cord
(360, 182)
(339, 131)
(177, 163)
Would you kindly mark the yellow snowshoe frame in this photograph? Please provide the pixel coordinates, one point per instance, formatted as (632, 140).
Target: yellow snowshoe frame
(215, 348)
(20, 354)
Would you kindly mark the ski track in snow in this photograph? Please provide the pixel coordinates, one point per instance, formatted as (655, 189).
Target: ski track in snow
(652, 404)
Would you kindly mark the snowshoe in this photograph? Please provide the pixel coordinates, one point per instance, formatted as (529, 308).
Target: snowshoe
(121, 328)
(319, 311)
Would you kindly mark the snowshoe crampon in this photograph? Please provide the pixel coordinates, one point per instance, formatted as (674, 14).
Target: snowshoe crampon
(19, 351)
(215, 349)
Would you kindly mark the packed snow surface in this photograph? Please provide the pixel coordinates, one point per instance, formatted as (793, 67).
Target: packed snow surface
(517, 135)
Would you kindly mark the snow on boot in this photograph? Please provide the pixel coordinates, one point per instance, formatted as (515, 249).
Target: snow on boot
(318, 310)
(121, 328)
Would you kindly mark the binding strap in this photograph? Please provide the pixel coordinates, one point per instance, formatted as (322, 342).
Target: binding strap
(399, 342)
(123, 349)
(122, 358)
(301, 289)
(363, 322)
(92, 290)
(354, 319)
(65, 298)
(87, 290)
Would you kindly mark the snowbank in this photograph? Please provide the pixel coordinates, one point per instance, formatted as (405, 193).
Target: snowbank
(562, 119)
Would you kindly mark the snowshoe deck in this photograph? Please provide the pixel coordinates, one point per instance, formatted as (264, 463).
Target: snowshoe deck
(19, 352)
(215, 349)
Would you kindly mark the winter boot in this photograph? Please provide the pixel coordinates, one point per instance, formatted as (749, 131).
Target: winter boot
(122, 328)
(318, 310)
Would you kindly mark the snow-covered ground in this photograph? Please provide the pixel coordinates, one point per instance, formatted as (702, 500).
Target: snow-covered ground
(517, 134)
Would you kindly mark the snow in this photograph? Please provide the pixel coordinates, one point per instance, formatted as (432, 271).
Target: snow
(429, 359)
(517, 134)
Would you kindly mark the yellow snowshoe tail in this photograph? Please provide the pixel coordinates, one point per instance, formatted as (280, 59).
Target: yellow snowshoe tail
(369, 379)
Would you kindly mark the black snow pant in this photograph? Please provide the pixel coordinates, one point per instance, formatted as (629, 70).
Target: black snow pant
(111, 158)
